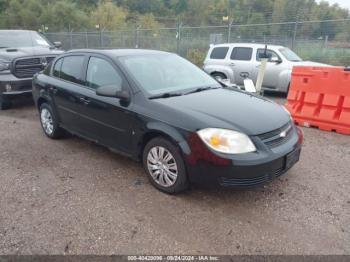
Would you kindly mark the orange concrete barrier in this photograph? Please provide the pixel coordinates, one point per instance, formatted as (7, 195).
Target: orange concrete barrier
(320, 97)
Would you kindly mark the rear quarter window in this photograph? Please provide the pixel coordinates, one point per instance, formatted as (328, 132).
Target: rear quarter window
(57, 68)
(219, 53)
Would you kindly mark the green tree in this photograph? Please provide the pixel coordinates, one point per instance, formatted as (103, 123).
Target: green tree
(109, 16)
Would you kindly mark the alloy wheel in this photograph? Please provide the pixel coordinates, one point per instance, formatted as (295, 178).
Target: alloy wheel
(46, 121)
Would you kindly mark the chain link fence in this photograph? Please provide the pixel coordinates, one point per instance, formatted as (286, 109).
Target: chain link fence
(321, 41)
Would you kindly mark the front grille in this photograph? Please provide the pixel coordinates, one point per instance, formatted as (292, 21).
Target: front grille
(279, 172)
(50, 59)
(244, 182)
(28, 67)
(275, 138)
(252, 182)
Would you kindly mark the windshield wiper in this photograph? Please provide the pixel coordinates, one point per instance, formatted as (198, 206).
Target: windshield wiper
(200, 89)
(165, 95)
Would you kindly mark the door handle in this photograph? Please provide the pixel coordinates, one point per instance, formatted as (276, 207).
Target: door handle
(84, 100)
(232, 64)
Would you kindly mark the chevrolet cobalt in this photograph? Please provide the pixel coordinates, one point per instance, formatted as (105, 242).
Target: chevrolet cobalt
(160, 109)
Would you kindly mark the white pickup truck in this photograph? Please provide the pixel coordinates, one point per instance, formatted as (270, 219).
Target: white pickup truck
(238, 61)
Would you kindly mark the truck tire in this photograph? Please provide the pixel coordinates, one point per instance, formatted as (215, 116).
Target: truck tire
(4, 103)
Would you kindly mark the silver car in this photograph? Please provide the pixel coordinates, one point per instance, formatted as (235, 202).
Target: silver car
(236, 62)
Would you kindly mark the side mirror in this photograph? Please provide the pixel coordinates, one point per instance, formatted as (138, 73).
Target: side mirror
(113, 91)
(275, 60)
(57, 44)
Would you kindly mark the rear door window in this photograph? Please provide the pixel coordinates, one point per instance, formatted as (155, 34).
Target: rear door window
(219, 53)
(242, 53)
(72, 68)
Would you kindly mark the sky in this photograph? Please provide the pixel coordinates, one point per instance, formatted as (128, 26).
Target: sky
(342, 3)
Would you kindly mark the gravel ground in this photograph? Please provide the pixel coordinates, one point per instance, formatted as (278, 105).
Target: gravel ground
(74, 197)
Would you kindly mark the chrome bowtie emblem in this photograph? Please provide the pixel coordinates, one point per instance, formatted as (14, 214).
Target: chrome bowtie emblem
(283, 134)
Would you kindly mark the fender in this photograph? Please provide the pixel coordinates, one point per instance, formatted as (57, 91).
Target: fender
(167, 130)
(226, 70)
(171, 132)
(283, 80)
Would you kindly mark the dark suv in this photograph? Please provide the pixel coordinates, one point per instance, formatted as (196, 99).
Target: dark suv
(22, 54)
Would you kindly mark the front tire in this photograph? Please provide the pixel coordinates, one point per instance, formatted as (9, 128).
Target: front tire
(164, 165)
(49, 122)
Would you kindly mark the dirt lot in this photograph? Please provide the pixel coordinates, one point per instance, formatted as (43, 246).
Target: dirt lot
(71, 196)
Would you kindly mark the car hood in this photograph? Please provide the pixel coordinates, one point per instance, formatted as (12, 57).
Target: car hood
(11, 54)
(223, 108)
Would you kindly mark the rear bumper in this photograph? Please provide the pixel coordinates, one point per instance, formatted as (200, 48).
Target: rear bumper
(13, 86)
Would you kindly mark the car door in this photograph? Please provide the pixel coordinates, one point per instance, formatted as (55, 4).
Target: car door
(106, 120)
(273, 67)
(67, 76)
(241, 63)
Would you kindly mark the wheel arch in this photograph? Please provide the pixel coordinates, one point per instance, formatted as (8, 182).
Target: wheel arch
(162, 130)
(284, 80)
(222, 69)
(217, 72)
(40, 101)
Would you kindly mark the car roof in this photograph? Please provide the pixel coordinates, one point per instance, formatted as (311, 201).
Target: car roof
(119, 52)
(252, 45)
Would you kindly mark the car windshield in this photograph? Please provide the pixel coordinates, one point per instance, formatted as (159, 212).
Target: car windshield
(290, 55)
(166, 73)
(16, 39)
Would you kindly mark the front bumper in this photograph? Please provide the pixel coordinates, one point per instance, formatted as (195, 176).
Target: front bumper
(18, 86)
(249, 170)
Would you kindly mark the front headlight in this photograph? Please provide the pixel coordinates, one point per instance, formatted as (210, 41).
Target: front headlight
(226, 141)
(4, 65)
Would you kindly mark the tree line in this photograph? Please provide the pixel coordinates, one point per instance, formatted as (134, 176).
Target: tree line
(64, 15)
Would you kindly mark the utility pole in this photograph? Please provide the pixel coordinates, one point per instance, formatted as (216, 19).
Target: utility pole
(229, 30)
(137, 36)
(70, 36)
(229, 27)
(178, 37)
(295, 33)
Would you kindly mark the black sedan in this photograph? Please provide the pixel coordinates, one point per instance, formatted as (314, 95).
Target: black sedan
(158, 108)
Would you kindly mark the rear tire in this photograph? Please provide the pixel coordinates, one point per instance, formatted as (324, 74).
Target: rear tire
(219, 76)
(164, 165)
(5, 103)
(49, 122)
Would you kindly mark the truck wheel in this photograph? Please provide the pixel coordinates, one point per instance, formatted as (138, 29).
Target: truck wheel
(4, 103)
